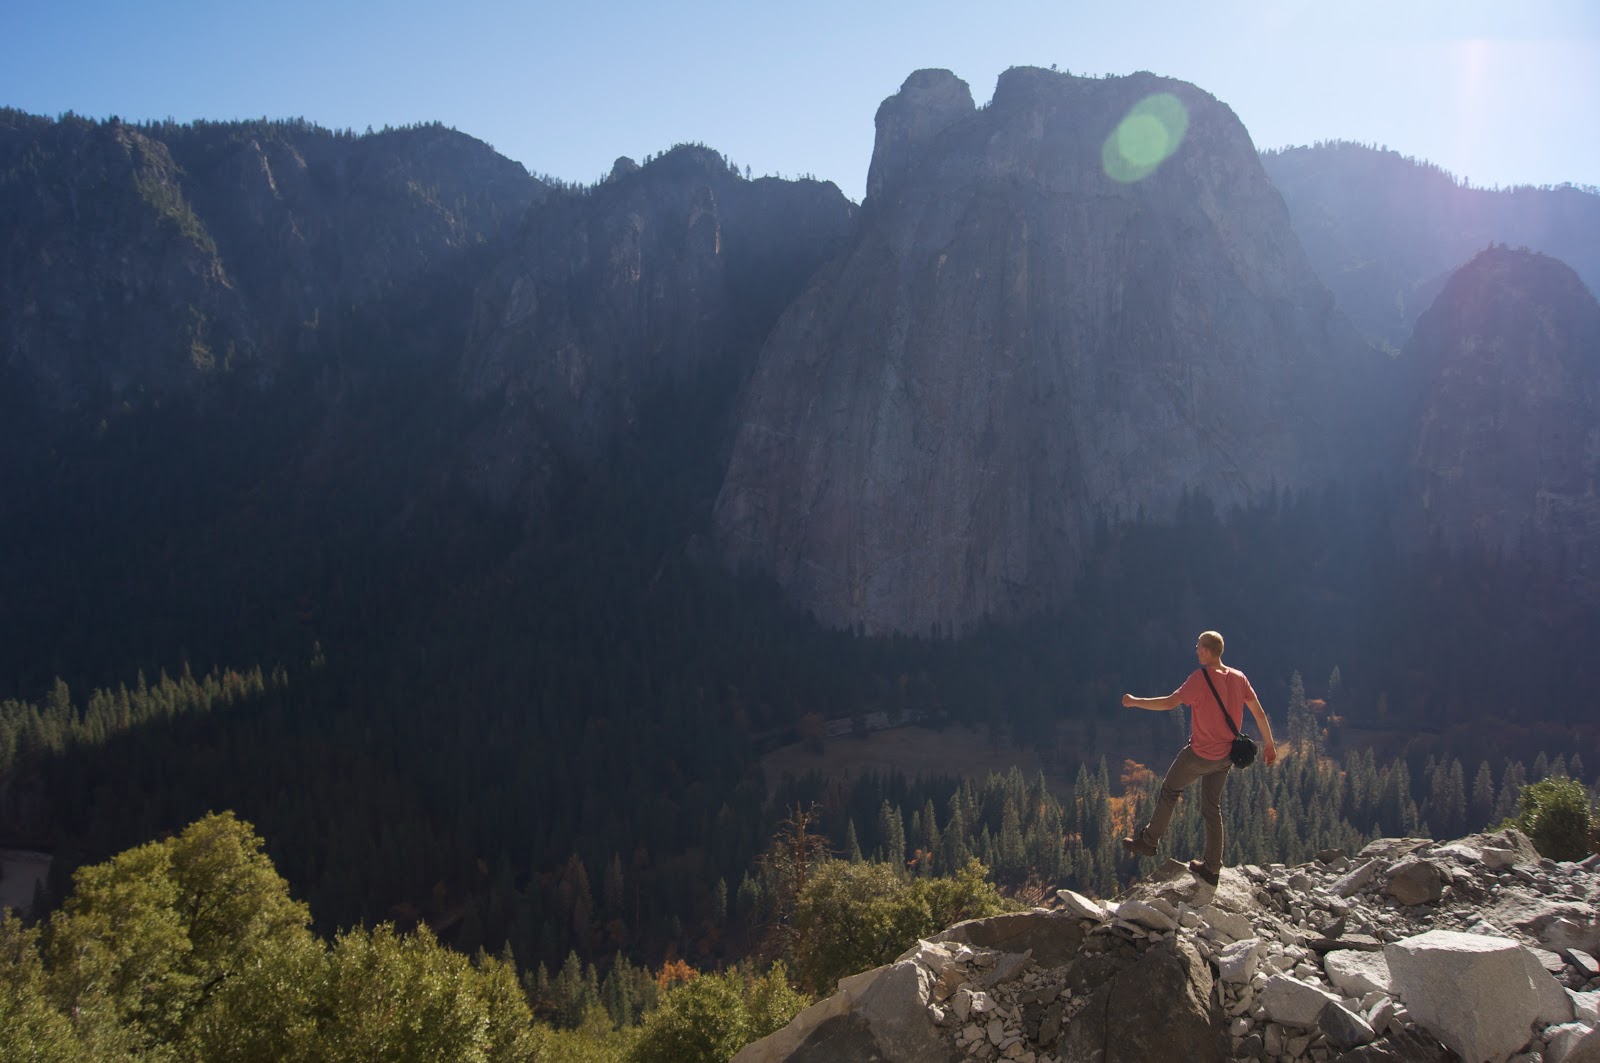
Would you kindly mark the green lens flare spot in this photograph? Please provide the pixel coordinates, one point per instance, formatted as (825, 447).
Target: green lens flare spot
(1146, 138)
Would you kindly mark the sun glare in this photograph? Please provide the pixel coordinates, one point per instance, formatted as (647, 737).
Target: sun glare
(1145, 138)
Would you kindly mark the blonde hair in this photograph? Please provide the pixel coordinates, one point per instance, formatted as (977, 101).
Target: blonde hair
(1212, 641)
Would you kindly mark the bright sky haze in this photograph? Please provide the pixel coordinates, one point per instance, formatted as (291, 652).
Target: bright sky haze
(1496, 93)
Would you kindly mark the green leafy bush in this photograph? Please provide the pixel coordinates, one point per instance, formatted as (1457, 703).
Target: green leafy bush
(703, 1021)
(1554, 814)
(853, 917)
(191, 948)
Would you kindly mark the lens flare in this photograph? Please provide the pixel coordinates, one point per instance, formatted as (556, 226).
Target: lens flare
(1146, 138)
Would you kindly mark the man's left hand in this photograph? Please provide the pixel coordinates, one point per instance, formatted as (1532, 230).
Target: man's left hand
(1271, 753)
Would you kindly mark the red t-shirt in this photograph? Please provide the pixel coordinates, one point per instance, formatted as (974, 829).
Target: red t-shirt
(1210, 737)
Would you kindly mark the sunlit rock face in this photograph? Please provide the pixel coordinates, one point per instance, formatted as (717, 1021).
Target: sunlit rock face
(1506, 446)
(1081, 299)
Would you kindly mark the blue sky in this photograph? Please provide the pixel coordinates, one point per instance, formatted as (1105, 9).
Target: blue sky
(1498, 93)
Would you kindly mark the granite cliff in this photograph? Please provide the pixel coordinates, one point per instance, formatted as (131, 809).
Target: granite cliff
(1022, 337)
(1505, 455)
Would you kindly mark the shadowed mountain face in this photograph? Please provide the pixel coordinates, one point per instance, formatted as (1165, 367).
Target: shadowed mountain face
(143, 261)
(1384, 232)
(1019, 341)
(659, 276)
(258, 351)
(1506, 447)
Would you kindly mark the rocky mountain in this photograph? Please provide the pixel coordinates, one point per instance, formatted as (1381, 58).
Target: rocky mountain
(1409, 950)
(1384, 231)
(658, 276)
(1506, 446)
(1024, 335)
(1071, 308)
(260, 350)
(143, 260)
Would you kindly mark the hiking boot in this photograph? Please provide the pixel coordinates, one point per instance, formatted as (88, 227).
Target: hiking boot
(1137, 846)
(1198, 869)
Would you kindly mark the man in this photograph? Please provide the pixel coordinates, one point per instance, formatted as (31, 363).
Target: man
(1205, 758)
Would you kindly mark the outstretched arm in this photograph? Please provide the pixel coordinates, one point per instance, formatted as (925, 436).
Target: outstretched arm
(1171, 701)
(1270, 753)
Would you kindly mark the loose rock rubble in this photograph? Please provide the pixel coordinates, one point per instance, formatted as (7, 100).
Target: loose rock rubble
(1408, 950)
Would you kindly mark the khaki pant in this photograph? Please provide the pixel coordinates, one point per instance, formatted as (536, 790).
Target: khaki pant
(1186, 768)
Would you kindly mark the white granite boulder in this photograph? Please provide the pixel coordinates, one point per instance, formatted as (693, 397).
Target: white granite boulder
(1230, 925)
(1292, 1002)
(1471, 991)
(1083, 907)
(1356, 881)
(1155, 914)
(1237, 963)
(1358, 973)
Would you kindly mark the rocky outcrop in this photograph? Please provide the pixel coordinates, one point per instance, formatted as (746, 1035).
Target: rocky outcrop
(1271, 964)
(910, 121)
(1018, 341)
(1506, 431)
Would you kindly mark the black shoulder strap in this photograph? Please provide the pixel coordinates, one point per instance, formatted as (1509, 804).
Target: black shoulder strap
(1207, 673)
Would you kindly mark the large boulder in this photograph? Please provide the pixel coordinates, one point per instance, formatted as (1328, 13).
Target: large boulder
(1292, 1002)
(1415, 881)
(888, 1015)
(879, 1016)
(1159, 1008)
(1472, 991)
(1052, 938)
(1358, 972)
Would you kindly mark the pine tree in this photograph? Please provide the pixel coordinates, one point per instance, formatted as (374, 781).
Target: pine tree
(618, 993)
(928, 838)
(891, 828)
(1512, 780)
(1482, 797)
(1013, 861)
(852, 845)
(1454, 806)
(1302, 725)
